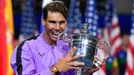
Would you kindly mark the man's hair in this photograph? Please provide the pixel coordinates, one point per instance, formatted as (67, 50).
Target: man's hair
(55, 6)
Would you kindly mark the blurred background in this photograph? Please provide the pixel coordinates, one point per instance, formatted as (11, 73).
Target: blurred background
(112, 20)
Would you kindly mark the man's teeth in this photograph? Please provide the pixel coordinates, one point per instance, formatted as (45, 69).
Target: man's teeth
(56, 33)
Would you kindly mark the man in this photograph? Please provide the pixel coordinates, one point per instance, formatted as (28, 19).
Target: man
(122, 54)
(116, 65)
(43, 54)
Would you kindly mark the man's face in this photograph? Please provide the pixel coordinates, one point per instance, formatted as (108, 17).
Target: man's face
(55, 23)
(125, 40)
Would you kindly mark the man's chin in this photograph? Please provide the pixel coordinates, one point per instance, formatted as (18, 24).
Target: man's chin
(54, 39)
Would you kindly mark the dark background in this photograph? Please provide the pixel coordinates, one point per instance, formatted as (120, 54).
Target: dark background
(123, 9)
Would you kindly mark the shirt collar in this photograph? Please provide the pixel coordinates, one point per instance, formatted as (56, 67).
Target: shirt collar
(44, 46)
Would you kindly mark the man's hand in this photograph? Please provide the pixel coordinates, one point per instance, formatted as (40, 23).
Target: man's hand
(68, 62)
(91, 70)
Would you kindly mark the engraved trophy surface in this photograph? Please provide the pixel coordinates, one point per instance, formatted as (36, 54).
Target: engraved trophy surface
(94, 51)
(86, 46)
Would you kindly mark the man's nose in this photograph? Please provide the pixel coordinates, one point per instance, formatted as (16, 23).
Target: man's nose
(57, 26)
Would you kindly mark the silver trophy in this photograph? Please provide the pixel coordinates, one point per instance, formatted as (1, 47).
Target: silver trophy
(94, 51)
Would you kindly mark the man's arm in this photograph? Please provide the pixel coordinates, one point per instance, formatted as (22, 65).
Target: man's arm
(23, 63)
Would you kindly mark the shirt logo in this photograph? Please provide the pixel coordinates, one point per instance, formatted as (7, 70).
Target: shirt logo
(41, 54)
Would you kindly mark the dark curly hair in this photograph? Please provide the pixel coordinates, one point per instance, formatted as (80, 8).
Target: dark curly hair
(55, 6)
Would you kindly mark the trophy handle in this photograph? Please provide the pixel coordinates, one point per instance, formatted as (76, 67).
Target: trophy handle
(102, 53)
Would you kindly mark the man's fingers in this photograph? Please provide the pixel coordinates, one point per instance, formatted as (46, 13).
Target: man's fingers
(73, 67)
(92, 69)
(72, 58)
(76, 57)
(76, 64)
(71, 52)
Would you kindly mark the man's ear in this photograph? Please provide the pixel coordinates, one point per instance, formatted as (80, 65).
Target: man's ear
(43, 21)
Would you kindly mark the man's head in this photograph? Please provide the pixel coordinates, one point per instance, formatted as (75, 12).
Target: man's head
(54, 20)
(125, 40)
(55, 6)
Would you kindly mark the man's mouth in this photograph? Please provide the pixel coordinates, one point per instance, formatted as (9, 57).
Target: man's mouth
(55, 34)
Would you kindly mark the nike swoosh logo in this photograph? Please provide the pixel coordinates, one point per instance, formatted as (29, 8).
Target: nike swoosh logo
(42, 54)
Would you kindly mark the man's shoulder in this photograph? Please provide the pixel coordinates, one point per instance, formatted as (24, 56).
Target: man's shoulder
(29, 42)
(33, 40)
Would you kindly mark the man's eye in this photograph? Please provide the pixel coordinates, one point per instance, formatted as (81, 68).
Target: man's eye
(62, 22)
(52, 21)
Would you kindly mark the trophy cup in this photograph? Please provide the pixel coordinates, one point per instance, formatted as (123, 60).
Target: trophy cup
(94, 51)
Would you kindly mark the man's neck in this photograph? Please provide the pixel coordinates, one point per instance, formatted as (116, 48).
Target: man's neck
(49, 41)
